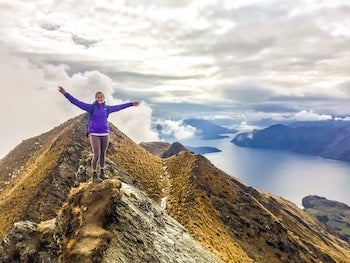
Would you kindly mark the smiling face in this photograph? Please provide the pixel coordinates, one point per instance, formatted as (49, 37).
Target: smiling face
(100, 97)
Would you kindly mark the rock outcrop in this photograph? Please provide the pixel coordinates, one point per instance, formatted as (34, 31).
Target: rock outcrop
(106, 222)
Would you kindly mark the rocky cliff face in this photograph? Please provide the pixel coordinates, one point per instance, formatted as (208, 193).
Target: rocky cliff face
(46, 197)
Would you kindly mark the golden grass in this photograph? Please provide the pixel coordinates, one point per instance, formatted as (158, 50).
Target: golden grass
(135, 160)
(201, 197)
(17, 196)
(192, 207)
(197, 195)
(70, 244)
(38, 163)
(310, 229)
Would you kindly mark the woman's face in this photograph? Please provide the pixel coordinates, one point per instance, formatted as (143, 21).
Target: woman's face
(100, 98)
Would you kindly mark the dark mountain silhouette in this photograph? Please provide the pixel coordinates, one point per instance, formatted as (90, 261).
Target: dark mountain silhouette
(326, 139)
(51, 210)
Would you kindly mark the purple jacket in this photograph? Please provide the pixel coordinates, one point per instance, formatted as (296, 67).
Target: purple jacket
(98, 121)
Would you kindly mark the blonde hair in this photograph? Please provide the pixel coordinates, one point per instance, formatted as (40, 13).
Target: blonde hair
(99, 93)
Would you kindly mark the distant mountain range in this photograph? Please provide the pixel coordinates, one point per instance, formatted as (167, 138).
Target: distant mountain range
(328, 139)
(179, 208)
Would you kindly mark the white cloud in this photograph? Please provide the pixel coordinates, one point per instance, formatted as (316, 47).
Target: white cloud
(342, 118)
(268, 59)
(310, 116)
(32, 103)
(136, 123)
(29, 106)
(176, 128)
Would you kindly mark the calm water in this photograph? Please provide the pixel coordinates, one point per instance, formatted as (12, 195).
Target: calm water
(285, 174)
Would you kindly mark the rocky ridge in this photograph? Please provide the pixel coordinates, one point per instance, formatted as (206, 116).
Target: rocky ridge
(112, 221)
(237, 223)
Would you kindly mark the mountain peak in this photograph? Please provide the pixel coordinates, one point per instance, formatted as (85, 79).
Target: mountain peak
(235, 222)
(163, 149)
(174, 149)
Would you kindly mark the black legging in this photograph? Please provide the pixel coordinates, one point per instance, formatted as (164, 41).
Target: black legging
(99, 146)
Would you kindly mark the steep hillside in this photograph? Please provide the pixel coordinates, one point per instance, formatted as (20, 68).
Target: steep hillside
(106, 222)
(329, 139)
(335, 215)
(144, 166)
(240, 223)
(31, 176)
(36, 176)
(235, 222)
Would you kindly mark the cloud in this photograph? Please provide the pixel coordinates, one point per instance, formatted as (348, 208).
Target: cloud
(29, 106)
(310, 116)
(183, 59)
(175, 129)
(84, 41)
(342, 119)
(33, 105)
(247, 93)
(135, 122)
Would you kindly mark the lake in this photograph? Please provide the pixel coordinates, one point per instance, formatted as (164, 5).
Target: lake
(289, 175)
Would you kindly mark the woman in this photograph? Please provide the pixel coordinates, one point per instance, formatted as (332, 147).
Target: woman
(97, 128)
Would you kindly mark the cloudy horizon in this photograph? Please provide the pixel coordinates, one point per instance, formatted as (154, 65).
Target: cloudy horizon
(244, 61)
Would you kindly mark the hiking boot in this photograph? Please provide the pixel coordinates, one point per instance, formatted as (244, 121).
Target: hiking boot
(102, 174)
(96, 178)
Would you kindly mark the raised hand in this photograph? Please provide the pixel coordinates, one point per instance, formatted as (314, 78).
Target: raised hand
(61, 89)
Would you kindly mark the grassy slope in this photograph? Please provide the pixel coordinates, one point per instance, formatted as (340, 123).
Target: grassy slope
(215, 208)
(145, 167)
(336, 219)
(37, 159)
(31, 173)
(193, 208)
(238, 223)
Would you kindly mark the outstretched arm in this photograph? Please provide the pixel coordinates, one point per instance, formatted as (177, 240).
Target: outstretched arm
(119, 107)
(82, 105)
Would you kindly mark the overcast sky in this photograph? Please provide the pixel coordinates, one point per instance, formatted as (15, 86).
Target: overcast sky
(240, 60)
